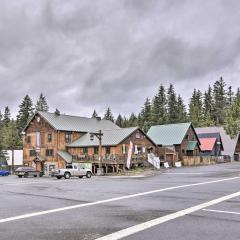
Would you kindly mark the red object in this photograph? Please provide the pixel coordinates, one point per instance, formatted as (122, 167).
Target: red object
(207, 144)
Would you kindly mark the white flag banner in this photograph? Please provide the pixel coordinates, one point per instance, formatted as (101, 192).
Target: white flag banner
(155, 161)
(136, 149)
(130, 150)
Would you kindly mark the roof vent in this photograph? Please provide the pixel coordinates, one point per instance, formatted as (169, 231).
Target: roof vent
(98, 118)
(57, 112)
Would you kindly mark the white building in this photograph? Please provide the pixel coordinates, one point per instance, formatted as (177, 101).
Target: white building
(18, 157)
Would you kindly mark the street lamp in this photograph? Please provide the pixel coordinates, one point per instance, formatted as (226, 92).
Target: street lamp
(99, 136)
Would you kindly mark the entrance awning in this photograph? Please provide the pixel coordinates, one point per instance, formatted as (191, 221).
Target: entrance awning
(39, 159)
(66, 156)
(191, 145)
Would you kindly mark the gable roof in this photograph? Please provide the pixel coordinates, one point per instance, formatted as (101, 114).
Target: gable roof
(169, 134)
(229, 144)
(110, 138)
(207, 144)
(74, 123)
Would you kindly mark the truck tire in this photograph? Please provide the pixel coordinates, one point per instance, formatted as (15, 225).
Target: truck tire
(20, 176)
(67, 175)
(88, 174)
(80, 176)
(58, 177)
(25, 174)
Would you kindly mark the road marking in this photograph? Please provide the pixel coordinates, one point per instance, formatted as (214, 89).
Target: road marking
(183, 173)
(22, 183)
(143, 226)
(219, 211)
(109, 200)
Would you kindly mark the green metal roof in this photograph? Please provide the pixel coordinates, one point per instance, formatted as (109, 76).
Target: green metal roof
(76, 124)
(109, 138)
(66, 156)
(169, 134)
(191, 145)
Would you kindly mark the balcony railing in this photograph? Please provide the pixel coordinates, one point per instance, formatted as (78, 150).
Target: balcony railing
(110, 158)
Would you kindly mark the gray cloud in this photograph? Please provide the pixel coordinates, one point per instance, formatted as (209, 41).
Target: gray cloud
(86, 55)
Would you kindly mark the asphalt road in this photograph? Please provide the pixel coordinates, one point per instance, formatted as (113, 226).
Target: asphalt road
(174, 204)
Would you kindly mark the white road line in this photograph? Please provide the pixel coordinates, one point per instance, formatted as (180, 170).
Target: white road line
(219, 211)
(183, 173)
(109, 200)
(143, 226)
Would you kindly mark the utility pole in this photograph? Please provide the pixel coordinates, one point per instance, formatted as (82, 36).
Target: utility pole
(99, 136)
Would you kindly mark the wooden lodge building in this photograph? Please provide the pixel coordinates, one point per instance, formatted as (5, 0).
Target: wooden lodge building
(211, 144)
(175, 141)
(54, 140)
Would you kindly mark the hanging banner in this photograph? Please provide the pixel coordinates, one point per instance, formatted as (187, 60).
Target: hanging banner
(129, 155)
(136, 149)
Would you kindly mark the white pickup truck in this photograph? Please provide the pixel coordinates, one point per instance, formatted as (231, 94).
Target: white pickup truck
(73, 171)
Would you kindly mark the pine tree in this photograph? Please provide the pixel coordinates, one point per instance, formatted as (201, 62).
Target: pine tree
(172, 115)
(11, 139)
(41, 104)
(159, 107)
(232, 120)
(195, 109)
(237, 96)
(94, 114)
(2, 155)
(219, 95)
(119, 121)
(25, 113)
(145, 116)
(181, 110)
(6, 117)
(133, 121)
(208, 108)
(108, 115)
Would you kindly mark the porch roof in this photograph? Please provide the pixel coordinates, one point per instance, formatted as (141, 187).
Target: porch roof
(66, 156)
(191, 145)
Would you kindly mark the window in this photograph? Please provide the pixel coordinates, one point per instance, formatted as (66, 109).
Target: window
(49, 137)
(95, 150)
(183, 151)
(32, 153)
(138, 135)
(28, 139)
(68, 137)
(186, 137)
(49, 152)
(108, 150)
(85, 150)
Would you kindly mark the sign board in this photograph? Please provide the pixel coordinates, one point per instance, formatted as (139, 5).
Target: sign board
(178, 164)
(166, 165)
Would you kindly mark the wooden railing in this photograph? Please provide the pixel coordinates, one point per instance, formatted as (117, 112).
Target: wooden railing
(110, 158)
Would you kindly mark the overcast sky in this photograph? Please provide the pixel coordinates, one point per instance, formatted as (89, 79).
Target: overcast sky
(86, 55)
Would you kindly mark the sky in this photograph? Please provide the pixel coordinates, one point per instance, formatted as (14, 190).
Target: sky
(85, 55)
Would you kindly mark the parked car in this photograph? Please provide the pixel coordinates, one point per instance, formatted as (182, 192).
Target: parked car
(28, 171)
(4, 173)
(72, 171)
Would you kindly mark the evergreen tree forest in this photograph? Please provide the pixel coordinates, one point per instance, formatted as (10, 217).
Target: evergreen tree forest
(11, 129)
(218, 105)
